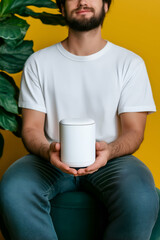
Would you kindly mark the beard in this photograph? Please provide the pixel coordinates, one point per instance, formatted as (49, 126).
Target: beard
(85, 24)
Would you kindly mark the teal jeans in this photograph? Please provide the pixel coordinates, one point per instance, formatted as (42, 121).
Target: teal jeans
(124, 186)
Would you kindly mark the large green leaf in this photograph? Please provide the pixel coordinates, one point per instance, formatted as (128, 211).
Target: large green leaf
(8, 93)
(46, 18)
(17, 133)
(8, 120)
(13, 30)
(51, 19)
(1, 144)
(12, 60)
(11, 6)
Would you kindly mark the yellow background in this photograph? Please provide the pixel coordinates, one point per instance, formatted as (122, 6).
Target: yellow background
(133, 25)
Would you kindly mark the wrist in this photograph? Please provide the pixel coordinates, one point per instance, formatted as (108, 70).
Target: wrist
(45, 151)
(111, 152)
(107, 148)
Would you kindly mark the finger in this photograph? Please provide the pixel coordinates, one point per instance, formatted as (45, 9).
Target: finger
(52, 146)
(81, 171)
(97, 145)
(57, 146)
(71, 171)
(67, 169)
(100, 146)
(92, 171)
(86, 173)
(63, 167)
(96, 165)
(93, 167)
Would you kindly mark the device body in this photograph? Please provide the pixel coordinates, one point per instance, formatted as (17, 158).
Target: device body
(77, 138)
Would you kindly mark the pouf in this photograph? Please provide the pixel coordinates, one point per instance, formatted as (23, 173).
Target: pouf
(156, 230)
(77, 216)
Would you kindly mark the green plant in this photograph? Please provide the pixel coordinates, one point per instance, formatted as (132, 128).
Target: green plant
(14, 51)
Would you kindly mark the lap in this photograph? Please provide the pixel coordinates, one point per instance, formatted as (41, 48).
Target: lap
(34, 174)
(120, 168)
(119, 176)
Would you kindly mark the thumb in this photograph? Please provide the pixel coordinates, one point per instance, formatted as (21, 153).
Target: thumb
(55, 146)
(100, 146)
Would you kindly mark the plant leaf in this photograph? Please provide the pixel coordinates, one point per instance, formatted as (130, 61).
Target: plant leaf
(1, 144)
(19, 128)
(8, 120)
(0, 7)
(52, 19)
(8, 93)
(46, 18)
(13, 30)
(11, 6)
(12, 60)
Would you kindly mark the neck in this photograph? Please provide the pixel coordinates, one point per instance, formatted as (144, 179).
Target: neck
(84, 43)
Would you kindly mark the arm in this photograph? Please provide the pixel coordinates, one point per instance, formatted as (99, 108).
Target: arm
(130, 139)
(33, 134)
(35, 141)
(133, 127)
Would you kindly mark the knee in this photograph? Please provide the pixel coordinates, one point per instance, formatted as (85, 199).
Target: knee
(137, 189)
(11, 190)
(15, 189)
(142, 203)
(134, 174)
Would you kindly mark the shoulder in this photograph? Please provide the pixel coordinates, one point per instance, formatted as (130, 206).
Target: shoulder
(126, 60)
(41, 56)
(124, 54)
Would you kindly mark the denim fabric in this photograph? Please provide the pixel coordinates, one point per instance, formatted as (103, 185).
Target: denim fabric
(125, 186)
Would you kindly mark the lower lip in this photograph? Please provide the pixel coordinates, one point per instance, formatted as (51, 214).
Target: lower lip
(83, 12)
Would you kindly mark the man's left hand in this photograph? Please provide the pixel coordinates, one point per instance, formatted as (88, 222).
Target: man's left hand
(102, 156)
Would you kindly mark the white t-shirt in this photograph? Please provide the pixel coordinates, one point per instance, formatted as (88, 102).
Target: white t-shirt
(99, 86)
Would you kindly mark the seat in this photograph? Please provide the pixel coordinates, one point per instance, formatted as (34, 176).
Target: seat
(77, 216)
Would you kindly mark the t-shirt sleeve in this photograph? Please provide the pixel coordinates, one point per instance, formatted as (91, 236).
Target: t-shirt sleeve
(31, 91)
(136, 94)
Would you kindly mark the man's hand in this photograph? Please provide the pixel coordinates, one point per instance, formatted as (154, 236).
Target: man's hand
(133, 126)
(54, 155)
(102, 156)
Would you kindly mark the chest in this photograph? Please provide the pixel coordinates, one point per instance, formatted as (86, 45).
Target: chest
(91, 81)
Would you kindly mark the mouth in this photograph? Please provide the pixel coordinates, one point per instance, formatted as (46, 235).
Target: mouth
(83, 11)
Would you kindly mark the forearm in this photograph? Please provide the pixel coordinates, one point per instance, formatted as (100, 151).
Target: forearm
(127, 143)
(132, 133)
(36, 142)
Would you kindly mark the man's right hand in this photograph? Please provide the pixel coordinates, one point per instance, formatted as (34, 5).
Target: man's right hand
(54, 155)
(36, 143)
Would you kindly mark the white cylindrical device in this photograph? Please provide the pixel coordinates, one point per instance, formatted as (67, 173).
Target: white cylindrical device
(77, 138)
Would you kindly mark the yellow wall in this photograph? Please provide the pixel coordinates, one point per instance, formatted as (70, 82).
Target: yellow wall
(131, 24)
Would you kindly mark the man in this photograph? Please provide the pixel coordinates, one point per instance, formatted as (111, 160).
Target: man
(83, 76)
